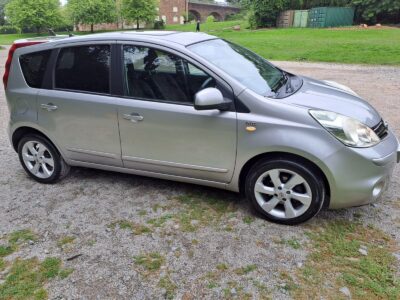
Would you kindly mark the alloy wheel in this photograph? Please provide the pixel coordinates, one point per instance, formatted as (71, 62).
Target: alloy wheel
(283, 193)
(38, 159)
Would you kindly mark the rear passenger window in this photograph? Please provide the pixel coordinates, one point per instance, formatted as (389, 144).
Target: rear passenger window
(84, 68)
(33, 67)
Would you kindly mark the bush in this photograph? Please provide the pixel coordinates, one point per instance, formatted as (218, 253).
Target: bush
(210, 19)
(159, 24)
(8, 29)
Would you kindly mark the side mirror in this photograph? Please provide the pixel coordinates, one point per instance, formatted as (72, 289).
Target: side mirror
(210, 98)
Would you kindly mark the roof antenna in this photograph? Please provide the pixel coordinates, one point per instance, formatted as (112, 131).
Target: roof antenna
(52, 33)
(69, 33)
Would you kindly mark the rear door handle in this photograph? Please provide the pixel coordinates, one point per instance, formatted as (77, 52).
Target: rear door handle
(49, 106)
(133, 117)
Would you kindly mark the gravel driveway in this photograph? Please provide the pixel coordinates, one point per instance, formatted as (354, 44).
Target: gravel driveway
(204, 249)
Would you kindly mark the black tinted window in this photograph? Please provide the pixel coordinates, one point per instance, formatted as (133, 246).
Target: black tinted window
(33, 67)
(154, 74)
(85, 68)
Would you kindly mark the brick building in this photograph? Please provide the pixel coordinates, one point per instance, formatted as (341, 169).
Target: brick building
(173, 11)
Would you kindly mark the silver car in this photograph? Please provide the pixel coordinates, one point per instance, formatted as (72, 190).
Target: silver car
(194, 108)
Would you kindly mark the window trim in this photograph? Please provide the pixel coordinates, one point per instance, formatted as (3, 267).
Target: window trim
(121, 45)
(87, 44)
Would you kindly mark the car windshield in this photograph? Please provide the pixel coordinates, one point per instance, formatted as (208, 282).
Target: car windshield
(250, 69)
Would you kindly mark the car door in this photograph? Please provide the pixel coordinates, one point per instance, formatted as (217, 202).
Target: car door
(78, 111)
(160, 129)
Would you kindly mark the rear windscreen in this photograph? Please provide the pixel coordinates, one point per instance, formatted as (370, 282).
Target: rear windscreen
(33, 67)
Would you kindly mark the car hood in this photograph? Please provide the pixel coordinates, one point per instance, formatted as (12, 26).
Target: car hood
(329, 96)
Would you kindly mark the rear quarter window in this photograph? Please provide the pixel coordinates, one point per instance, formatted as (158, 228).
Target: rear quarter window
(33, 67)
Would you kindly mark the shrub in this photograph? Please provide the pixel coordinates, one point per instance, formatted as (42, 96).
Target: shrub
(9, 29)
(159, 24)
(210, 19)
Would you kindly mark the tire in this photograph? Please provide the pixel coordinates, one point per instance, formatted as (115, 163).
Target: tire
(41, 160)
(285, 191)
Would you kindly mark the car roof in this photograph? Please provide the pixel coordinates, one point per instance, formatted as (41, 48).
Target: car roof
(176, 37)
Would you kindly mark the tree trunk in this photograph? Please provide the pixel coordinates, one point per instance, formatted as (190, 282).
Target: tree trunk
(91, 28)
(38, 30)
(137, 24)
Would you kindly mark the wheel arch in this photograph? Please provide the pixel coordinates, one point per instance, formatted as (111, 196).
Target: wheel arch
(283, 155)
(22, 131)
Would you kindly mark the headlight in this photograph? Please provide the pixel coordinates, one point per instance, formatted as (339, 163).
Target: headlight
(347, 130)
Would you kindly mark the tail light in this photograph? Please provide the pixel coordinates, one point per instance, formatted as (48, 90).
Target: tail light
(14, 47)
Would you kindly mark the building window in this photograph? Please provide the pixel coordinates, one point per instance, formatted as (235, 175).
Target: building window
(164, 18)
(175, 9)
(175, 19)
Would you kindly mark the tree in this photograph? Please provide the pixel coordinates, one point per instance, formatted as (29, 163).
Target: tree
(373, 11)
(139, 10)
(3, 4)
(37, 14)
(92, 12)
(265, 12)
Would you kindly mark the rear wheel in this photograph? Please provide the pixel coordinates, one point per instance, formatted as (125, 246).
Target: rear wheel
(285, 191)
(41, 160)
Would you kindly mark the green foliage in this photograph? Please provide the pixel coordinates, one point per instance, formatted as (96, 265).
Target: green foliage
(245, 270)
(264, 13)
(373, 11)
(210, 19)
(2, 264)
(169, 286)
(26, 278)
(135, 228)
(6, 250)
(139, 10)
(65, 240)
(92, 11)
(21, 236)
(150, 261)
(159, 25)
(191, 16)
(34, 14)
(294, 243)
(336, 261)
(248, 219)
(9, 29)
(3, 4)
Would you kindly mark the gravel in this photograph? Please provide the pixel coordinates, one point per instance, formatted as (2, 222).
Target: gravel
(85, 203)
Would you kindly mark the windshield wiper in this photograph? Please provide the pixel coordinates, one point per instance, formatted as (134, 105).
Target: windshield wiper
(281, 82)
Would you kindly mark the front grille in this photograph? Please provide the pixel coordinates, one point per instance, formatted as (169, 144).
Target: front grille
(381, 129)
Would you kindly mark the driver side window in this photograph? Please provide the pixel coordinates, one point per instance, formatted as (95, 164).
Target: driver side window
(156, 75)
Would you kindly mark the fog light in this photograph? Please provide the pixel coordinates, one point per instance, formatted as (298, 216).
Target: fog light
(378, 190)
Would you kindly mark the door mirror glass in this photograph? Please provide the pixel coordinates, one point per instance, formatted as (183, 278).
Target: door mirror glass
(210, 98)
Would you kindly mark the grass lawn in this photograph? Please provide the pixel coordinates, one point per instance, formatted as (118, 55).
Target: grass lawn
(361, 46)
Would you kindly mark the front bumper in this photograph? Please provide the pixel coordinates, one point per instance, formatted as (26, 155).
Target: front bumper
(398, 155)
(361, 176)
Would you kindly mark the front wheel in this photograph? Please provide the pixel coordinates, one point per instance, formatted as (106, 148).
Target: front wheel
(285, 191)
(41, 160)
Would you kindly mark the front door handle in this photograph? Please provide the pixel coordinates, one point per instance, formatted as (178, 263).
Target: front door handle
(49, 106)
(133, 117)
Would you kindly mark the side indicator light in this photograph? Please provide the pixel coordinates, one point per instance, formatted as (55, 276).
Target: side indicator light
(251, 128)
